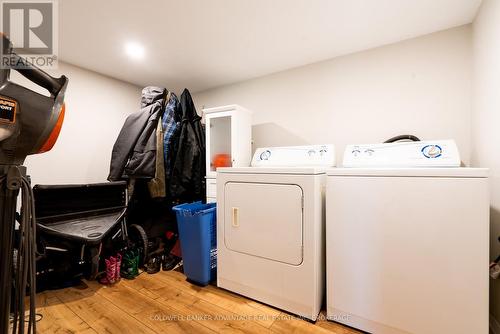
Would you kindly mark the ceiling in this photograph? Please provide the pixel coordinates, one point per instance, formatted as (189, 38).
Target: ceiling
(201, 44)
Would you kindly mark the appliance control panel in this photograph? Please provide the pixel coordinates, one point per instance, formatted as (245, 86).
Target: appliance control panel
(436, 153)
(295, 156)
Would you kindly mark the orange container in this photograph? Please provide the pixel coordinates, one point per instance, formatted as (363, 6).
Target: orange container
(221, 160)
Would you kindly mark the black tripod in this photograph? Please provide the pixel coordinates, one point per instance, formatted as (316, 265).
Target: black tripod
(17, 255)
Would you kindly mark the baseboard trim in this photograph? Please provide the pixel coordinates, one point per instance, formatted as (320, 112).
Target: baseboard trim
(494, 325)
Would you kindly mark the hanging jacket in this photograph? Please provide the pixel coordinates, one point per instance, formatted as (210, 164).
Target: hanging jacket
(134, 152)
(188, 173)
(171, 121)
(157, 186)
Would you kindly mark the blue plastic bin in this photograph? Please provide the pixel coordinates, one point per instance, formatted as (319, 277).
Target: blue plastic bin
(197, 232)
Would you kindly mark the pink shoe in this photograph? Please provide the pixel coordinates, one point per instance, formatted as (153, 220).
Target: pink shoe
(118, 266)
(110, 277)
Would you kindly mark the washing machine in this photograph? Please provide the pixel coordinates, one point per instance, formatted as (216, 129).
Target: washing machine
(407, 248)
(270, 228)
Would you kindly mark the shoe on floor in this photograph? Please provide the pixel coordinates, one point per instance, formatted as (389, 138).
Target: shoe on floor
(130, 264)
(169, 262)
(154, 264)
(118, 267)
(110, 277)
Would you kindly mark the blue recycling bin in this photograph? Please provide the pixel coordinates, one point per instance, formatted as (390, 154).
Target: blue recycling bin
(197, 233)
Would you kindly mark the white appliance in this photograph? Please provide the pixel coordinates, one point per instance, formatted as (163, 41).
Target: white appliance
(270, 228)
(437, 153)
(407, 249)
(228, 130)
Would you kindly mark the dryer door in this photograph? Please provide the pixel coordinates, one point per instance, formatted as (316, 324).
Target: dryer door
(264, 220)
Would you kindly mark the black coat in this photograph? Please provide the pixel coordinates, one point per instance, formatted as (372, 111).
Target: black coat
(134, 152)
(188, 170)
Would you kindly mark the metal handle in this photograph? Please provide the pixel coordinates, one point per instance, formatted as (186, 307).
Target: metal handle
(39, 77)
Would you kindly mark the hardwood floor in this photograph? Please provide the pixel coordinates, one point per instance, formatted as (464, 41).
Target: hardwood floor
(164, 303)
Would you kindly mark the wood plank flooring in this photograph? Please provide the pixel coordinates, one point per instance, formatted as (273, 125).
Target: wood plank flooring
(164, 303)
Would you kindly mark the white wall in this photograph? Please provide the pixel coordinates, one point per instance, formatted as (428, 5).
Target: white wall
(96, 107)
(486, 120)
(420, 86)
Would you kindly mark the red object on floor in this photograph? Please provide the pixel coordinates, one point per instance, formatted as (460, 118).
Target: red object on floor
(176, 250)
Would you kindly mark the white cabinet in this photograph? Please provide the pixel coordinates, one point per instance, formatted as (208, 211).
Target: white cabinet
(228, 131)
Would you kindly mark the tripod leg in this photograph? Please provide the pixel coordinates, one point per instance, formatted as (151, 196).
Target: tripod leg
(7, 214)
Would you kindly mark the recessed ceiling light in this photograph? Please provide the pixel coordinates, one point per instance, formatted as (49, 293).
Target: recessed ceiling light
(134, 50)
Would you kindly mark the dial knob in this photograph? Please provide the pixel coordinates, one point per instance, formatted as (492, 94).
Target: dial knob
(265, 155)
(432, 151)
(369, 151)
